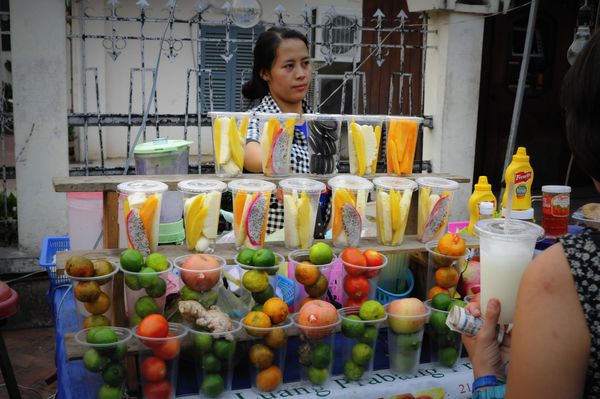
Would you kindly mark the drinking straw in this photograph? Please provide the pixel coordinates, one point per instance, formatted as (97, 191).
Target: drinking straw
(511, 192)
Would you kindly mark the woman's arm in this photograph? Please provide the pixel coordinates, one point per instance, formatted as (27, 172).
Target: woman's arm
(550, 339)
(252, 161)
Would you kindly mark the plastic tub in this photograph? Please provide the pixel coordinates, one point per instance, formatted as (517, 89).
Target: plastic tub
(394, 195)
(324, 131)
(277, 135)
(162, 157)
(300, 206)
(364, 142)
(229, 141)
(435, 203)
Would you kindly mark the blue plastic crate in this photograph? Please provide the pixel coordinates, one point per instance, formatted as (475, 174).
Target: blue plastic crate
(287, 289)
(50, 246)
(384, 296)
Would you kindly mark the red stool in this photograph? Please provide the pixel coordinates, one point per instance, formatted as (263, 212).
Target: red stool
(9, 305)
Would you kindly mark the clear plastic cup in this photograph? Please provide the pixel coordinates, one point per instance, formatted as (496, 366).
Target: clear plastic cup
(445, 344)
(359, 338)
(104, 362)
(443, 271)
(251, 200)
(267, 354)
(157, 355)
(364, 142)
(435, 204)
(394, 195)
(260, 281)
(300, 206)
(229, 141)
(94, 295)
(401, 142)
(214, 353)
(201, 211)
(324, 132)
(349, 202)
(312, 281)
(316, 351)
(360, 282)
(504, 254)
(201, 276)
(142, 201)
(145, 292)
(277, 135)
(405, 335)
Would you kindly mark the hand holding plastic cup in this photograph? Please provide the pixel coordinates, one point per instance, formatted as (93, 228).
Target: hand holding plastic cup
(394, 195)
(229, 140)
(435, 203)
(350, 194)
(300, 206)
(277, 136)
(364, 140)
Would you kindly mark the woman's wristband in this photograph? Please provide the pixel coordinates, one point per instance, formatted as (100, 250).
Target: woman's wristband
(485, 381)
(491, 392)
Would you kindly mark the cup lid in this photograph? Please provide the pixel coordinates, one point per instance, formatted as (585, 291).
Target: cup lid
(302, 184)
(322, 117)
(516, 230)
(437, 182)
(366, 119)
(556, 189)
(350, 182)
(201, 185)
(220, 114)
(142, 186)
(396, 183)
(279, 116)
(161, 145)
(251, 185)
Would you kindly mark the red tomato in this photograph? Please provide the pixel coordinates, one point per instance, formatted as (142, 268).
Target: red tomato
(374, 258)
(153, 326)
(153, 369)
(158, 390)
(353, 257)
(169, 350)
(356, 287)
(351, 302)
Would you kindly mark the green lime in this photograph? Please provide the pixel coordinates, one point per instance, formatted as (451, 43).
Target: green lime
(441, 301)
(321, 355)
(264, 257)
(223, 348)
(352, 326)
(145, 306)
(317, 376)
(96, 320)
(158, 262)
(352, 371)
(208, 298)
(408, 342)
(203, 342)
(101, 335)
(213, 385)
(361, 354)
(134, 320)
(132, 282)
(457, 302)
(257, 308)
(449, 339)
(245, 257)
(147, 277)
(211, 363)
(114, 375)
(94, 361)
(369, 336)
(371, 310)
(261, 297)
(320, 254)
(255, 280)
(188, 294)
(447, 356)
(120, 350)
(402, 362)
(131, 260)
(108, 392)
(438, 322)
(157, 289)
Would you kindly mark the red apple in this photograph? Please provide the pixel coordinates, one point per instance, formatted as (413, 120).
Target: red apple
(403, 315)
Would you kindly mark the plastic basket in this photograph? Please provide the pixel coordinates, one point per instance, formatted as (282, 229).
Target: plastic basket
(287, 289)
(50, 246)
(384, 296)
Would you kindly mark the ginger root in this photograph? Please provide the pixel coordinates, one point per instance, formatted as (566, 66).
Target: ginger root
(213, 318)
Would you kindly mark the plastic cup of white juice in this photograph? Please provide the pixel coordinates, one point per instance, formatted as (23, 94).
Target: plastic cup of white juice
(505, 251)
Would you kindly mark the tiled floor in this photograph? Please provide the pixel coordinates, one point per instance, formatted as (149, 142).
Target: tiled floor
(32, 356)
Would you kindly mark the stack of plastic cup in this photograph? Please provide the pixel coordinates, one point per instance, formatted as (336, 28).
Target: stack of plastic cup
(360, 282)
(277, 135)
(260, 281)
(349, 202)
(141, 208)
(401, 142)
(394, 195)
(435, 203)
(104, 354)
(201, 211)
(445, 345)
(312, 281)
(159, 361)
(324, 132)
(201, 276)
(229, 141)
(443, 271)
(300, 206)
(251, 200)
(359, 337)
(214, 355)
(364, 142)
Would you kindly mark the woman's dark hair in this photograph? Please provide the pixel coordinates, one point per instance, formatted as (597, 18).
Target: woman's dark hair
(265, 51)
(581, 99)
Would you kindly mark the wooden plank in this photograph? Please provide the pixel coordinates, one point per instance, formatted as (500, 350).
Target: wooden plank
(110, 183)
(110, 219)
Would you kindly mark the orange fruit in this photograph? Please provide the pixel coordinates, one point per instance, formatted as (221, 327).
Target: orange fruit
(99, 306)
(304, 300)
(276, 338)
(317, 289)
(257, 319)
(306, 273)
(269, 379)
(433, 291)
(261, 356)
(452, 244)
(446, 277)
(276, 309)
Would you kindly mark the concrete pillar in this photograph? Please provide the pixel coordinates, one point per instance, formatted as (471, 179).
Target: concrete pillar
(452, 75)
(39, 71)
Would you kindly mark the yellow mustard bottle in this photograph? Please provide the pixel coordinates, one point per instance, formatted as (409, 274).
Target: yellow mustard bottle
(482, 193)
(521, 171)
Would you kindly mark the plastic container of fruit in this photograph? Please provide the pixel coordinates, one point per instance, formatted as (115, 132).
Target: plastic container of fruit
(201, 211)
(251, 201)
(443, 271)
(300, 206)
(324, 132)
(349, 202)
(364, 142)
(445, 345)
(394, 195)
(360, 275)
(276, 138)
(435, 203)
(312, 279)
(259, 273)
(401, 142)
(201, 276)
(229, 141)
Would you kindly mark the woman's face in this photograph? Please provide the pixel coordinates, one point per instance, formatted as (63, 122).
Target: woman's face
(291, 72)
